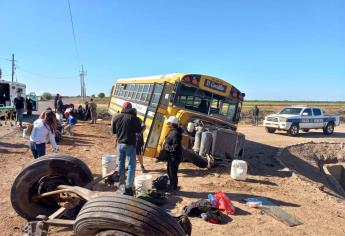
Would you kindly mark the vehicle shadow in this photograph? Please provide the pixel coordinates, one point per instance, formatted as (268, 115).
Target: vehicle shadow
(90, 136)
(30, 119)
(13, 145)
(74, 141)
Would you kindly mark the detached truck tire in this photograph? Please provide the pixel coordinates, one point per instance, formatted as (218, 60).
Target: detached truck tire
(43, 175)
(126, 215)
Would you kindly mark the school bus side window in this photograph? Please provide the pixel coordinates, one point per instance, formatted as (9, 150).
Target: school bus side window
(116, 90)
(135, 91)
(156, 94)
(139, 92)
(131, 88)
(119, 93)
(144, 94)
(149, 93)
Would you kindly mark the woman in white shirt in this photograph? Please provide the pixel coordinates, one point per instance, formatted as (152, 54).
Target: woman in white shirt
(42, 128)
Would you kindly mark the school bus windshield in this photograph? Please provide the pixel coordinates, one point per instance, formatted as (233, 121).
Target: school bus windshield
(192, 98)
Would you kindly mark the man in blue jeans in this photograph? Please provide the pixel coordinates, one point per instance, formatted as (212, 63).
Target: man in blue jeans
(19, 103)
(125, 125)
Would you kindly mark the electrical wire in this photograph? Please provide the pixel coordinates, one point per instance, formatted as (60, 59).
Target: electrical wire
(46, 76)
(73, 31)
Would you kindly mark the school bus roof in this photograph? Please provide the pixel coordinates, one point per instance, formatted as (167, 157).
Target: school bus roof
(162, 78)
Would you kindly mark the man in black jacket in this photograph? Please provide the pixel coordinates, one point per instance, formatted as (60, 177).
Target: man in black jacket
(125, 126)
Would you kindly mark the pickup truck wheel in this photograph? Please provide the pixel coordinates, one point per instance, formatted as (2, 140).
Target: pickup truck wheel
(270, 130)
(329, 129)
(43, 175)
(125, 214)
(294, 130)
(305, 130)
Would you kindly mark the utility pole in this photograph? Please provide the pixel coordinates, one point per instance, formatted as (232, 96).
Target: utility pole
(13, 67)
(82, 82)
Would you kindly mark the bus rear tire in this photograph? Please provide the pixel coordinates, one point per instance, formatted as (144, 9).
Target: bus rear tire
(270, 130)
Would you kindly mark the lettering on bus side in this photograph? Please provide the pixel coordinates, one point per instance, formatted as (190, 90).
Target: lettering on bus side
(214, 85)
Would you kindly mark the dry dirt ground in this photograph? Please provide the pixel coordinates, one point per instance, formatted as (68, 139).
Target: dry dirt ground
(321, 213)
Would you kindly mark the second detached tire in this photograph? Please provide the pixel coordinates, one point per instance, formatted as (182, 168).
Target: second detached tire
(126, 215)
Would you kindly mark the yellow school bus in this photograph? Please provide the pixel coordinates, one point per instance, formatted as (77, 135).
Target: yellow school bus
(189, 97)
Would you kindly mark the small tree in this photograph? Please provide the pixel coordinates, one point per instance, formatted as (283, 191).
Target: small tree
(101, 95)
(47, 96)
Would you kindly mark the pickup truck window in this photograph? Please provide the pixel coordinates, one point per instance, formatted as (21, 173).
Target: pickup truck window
(317, 112)
(308, 111)
(291, 111)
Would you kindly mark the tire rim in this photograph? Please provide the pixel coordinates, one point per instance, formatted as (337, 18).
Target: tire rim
(330, 129)
(47, 184)
(294, 130)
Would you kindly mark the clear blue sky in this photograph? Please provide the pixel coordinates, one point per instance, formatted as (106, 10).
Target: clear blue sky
(284, 50)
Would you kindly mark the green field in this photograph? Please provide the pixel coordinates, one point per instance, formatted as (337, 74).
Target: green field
(249, 103)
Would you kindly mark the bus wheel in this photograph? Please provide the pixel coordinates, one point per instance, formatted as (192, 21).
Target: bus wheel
(125, 214)
(329, 129)
(44, 175)
(294, 130)
(194, 158)
(270, 130)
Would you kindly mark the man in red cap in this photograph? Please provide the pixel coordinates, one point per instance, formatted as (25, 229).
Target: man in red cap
(126, 125)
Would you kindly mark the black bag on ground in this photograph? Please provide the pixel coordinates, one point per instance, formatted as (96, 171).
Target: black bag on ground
(203, 206)
(196, 208)
(157, 198)
(161, 183)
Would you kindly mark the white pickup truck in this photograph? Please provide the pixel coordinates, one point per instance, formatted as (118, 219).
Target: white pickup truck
(296, 118)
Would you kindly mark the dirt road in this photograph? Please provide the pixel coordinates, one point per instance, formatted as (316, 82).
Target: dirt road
(320, 213)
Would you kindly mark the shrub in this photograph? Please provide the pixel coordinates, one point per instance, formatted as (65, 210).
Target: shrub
(47, 96)
(101, 95)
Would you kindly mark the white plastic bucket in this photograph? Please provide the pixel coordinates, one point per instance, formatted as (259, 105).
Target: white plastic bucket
(143, 183)
(108, 164)
(239, 170)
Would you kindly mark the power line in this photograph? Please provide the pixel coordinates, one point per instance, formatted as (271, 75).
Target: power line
(46, 76)
(73, 31)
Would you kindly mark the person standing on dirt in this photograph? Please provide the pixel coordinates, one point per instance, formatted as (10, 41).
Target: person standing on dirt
(87, 111)
(125, 126)
(173, 150)
(29, 106)
(19, 103)
(56, 99)
(41, 129)
(59, 106)
(93, 111)
(256, 112)
(139, 147)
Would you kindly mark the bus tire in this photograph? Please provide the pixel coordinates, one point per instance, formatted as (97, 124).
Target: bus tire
(294, 130)
(305, 130)
(270, 130)
(329, 129)
(126, 214)
(194, 158)
(42, 175)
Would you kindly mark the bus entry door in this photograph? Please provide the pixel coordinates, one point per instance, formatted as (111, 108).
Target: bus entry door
(154, 117)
